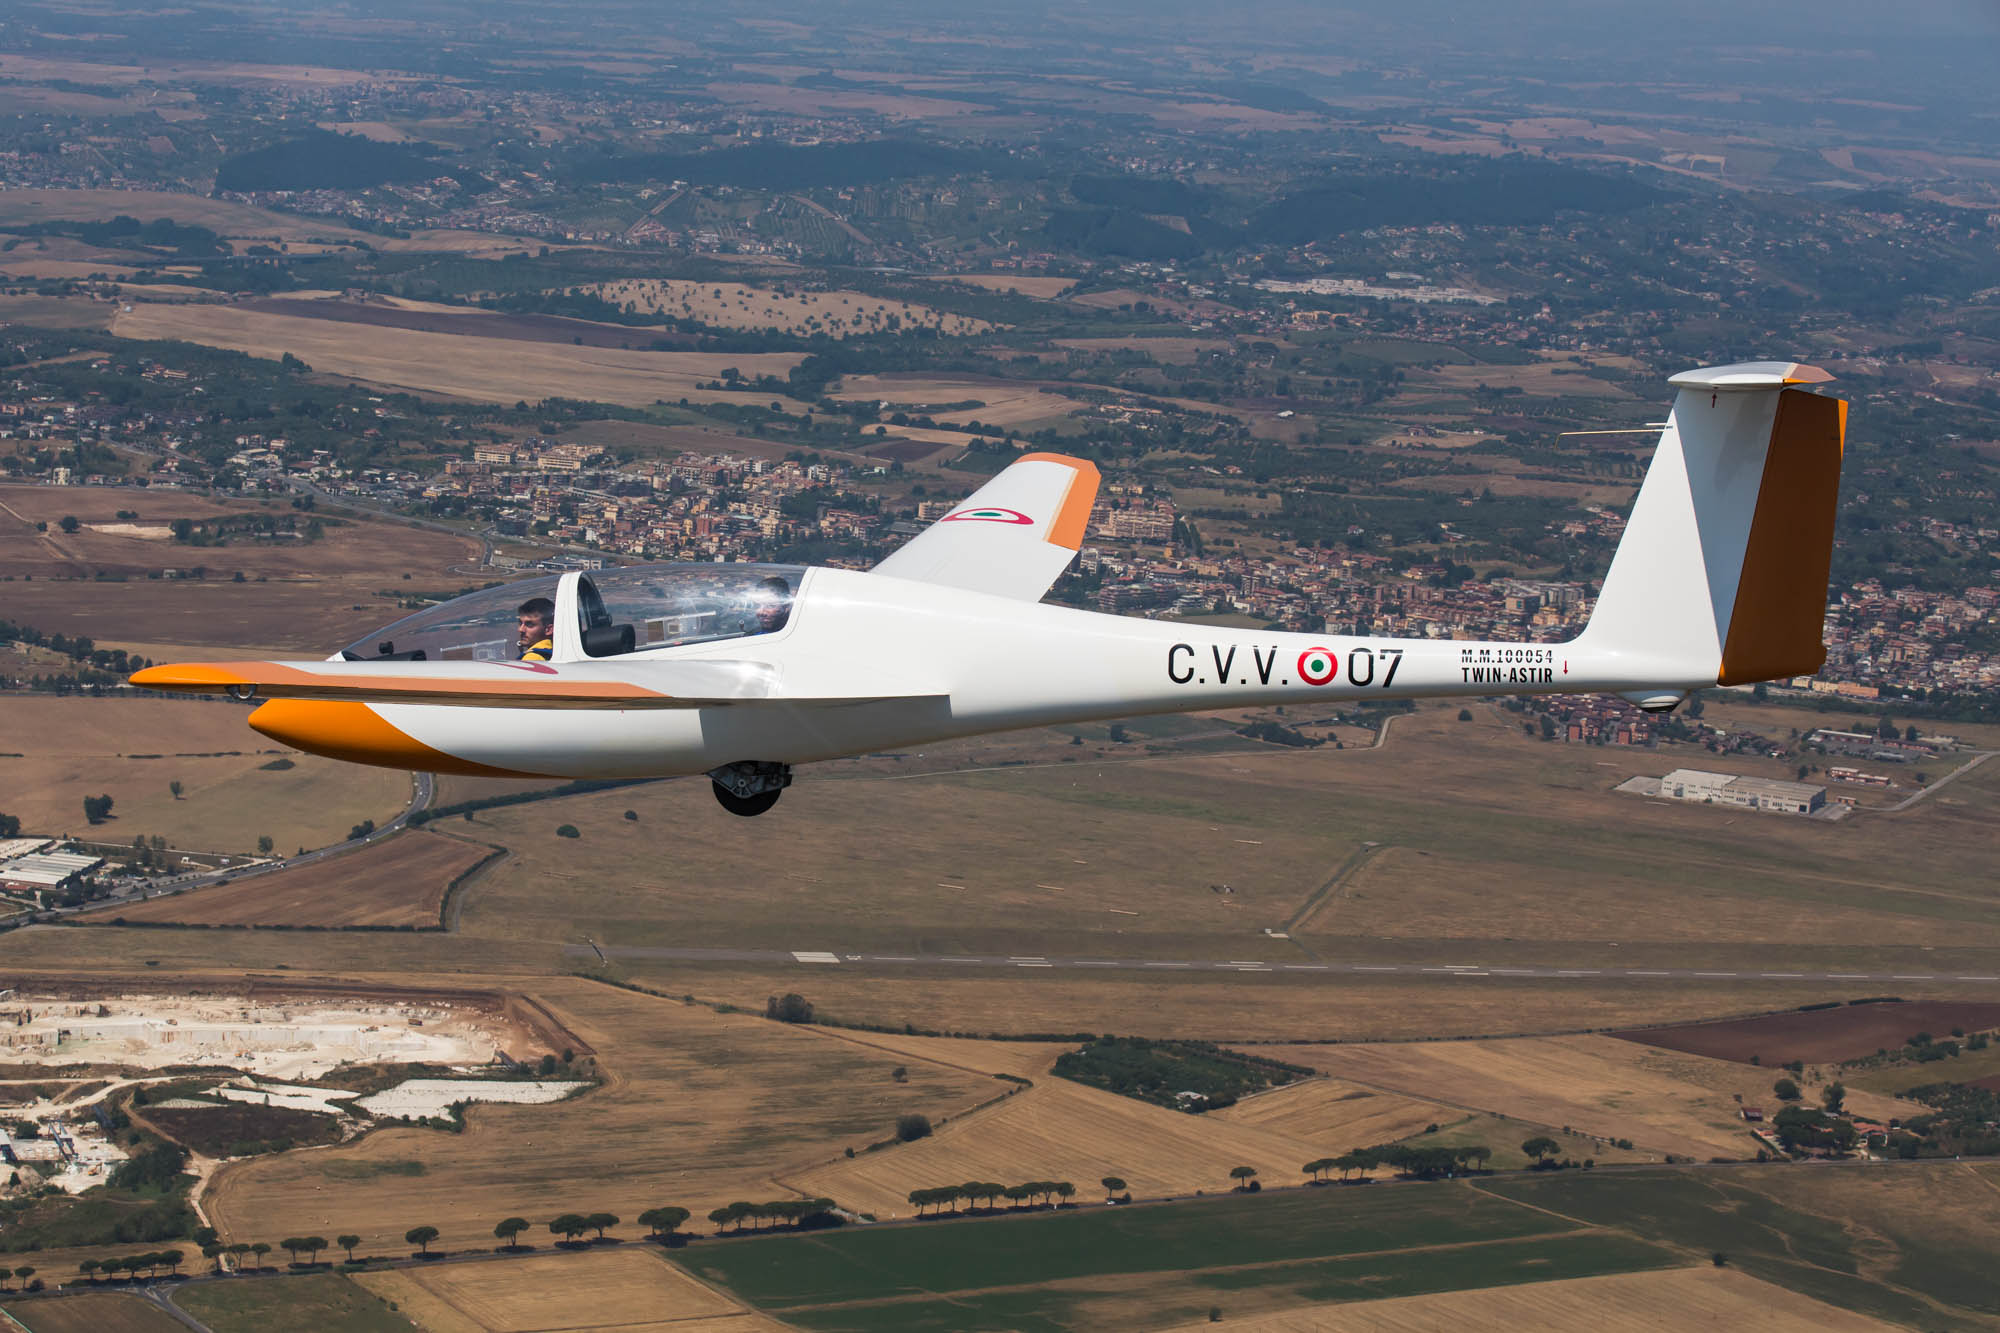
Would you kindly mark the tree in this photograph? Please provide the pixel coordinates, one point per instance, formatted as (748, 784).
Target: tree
(69, 523)
(313, 1245)
(663, 1221)
(791, 1007)
(292, 1245)
(1112, 1185)
(600, 1221)
(96, 809)
(509, 1228)
(89, 1269)
(421, 1237)
(720, 1217)
(175, 788)
(1832, 1096)
(569, 1225)
(213, 1252)
(260, 1249)
(264, 845)
(567, 831)
(1465, 715)
(26, 1271)
(348, 1242)
(1541, 1148)
(911, 1127)
(1243, 1175)
(1786, 1090)
(1065, 1190)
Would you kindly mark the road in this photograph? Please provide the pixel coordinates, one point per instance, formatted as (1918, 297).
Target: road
(1039, 962)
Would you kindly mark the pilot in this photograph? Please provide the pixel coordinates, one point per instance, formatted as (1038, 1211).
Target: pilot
(773, 601)
(534, 629)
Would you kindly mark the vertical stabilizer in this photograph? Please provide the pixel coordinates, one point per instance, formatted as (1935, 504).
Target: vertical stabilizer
(1721, 575)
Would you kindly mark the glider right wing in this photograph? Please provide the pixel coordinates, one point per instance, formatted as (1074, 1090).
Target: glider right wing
(1013, 538)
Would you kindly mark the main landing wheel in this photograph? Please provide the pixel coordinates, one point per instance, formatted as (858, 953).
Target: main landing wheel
(746, 805)
(749, 787)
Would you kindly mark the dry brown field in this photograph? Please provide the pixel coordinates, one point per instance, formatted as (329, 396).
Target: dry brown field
(1006, 404)
(220, 215)
(1059, 1130)
(1670, 1301)
(92, 1312)
(1041, 289)
(314, 597)
(698, 1109)
(77, 747)
(58, 312)
(400, 881)
(631, 1289)
(1554, 379)
(1334, 1115)
(1821, 1036)
(483, 369)
(733, 305)
(1664, 1102)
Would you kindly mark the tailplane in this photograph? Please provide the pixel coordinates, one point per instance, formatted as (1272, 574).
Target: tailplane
(1721, 576)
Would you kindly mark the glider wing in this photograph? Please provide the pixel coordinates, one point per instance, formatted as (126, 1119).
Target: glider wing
(1013, 538)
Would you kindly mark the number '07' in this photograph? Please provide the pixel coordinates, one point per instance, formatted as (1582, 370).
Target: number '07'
(1361, 666)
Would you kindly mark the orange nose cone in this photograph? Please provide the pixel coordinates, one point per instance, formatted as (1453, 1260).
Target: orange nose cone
(356, 733)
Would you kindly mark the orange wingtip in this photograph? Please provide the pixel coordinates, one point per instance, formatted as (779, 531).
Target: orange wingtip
(1072, 518)
(198, 676)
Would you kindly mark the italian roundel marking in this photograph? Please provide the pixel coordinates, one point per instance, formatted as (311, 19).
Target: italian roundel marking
(987, 514)
(1317, 666)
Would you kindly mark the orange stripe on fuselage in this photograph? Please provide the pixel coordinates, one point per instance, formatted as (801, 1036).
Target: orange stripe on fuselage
(1073, 514)
(357, 734)
(1776, 625)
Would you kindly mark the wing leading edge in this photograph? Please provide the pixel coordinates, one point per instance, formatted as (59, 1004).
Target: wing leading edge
(644, 684)
(1015, 535)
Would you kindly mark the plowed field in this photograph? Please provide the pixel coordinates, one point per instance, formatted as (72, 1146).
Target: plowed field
(1820, 1036)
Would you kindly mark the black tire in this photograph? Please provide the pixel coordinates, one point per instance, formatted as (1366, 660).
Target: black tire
(746, 805)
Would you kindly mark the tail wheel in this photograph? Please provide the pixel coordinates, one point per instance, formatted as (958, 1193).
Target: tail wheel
(746, 805)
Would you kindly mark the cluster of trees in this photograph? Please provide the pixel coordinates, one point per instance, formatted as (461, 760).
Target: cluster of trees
(777, 1213)
(1159, 1071)
(1029, 1194)
(132, 1265)
(78, 649)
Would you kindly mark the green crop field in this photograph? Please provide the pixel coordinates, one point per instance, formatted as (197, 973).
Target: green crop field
(1174, 1261)
(1898, 1242)
(324, 1302)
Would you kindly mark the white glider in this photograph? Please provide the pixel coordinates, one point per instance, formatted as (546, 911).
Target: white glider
(741, 671)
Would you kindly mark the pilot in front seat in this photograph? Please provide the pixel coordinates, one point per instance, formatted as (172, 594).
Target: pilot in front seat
(535, 628)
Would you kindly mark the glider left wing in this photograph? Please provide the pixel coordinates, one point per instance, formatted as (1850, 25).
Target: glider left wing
(642, 684)
(1013, 538)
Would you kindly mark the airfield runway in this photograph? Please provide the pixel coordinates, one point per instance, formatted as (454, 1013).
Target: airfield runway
(828, 957)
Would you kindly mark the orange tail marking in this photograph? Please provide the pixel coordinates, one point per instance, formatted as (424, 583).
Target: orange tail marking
(1775, 628)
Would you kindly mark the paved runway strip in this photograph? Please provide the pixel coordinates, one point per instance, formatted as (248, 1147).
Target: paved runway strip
(828, 957)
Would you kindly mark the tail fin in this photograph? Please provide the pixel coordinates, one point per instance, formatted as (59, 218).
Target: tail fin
(1721, 575)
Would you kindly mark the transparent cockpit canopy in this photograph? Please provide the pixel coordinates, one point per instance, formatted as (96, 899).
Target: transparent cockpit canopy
(478, 627)
(662, 606)
(669, 605)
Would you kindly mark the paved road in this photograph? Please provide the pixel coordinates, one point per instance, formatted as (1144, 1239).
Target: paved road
(1036, 962)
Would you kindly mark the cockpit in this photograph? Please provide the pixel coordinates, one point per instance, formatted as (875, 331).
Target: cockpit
(603, 613)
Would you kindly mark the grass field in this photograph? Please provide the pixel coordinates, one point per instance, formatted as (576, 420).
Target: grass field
(77, 747)
(631, 1289)
(698, 1109)
(732, 305)
(1672, 1299)
(92, 1312)
(398, 882)
(1159, 1266)
(483, 369)
(1663, 1101)
(1042, 289)
(220, 215)
(323, 1302)
(1889, 1242)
